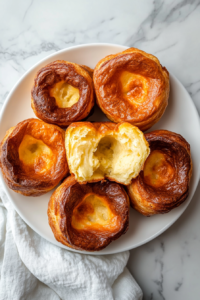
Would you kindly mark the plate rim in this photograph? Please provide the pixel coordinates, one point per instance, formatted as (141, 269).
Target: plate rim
(5, 188)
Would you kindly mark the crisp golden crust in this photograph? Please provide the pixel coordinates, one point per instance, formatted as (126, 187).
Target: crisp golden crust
(100, 150)
(88, 217)
(88, 69)
(75, 82)
(163, 184)
(33, 158)
(133, 87)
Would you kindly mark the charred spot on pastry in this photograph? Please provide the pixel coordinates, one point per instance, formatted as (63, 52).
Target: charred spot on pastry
(90, 216)
(62, 93)
(132, 86)
(32, 156)
(163, 184)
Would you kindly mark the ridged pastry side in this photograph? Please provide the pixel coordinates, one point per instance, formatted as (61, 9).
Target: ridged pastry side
(105, 150)
(88, 217)
(33, 158)
(63, 93)
(132, 86)
(163, 184)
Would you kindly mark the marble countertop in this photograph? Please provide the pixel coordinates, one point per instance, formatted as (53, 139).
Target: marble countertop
(169, 266)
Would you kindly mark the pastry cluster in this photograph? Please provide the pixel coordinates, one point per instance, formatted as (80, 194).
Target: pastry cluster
(103, 166)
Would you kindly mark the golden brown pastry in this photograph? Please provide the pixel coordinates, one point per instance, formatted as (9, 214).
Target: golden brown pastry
(105, 150)
(163, 184)
(133, 87)
(63, 93)
(33, 158)
(88, 216)
(88, 69)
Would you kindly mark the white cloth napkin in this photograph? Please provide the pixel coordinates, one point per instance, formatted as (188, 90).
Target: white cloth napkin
(33, 268)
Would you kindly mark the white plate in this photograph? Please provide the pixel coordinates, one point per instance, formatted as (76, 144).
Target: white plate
(180, 116)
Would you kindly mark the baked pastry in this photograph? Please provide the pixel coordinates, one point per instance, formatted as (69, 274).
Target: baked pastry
(132, 86)
(88, 69)
(63, 93)
(33, 158)
(88, 216)
(163, 184)
(105, 150)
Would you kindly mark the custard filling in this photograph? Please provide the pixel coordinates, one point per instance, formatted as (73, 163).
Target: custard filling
(93, 213)
(35, 153)
(65, 94)
(157, 170)
(134, 87)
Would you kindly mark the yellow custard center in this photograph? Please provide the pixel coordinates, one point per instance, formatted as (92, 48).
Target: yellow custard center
(93, 213)
(65, 94)
(157, 170)
(134, 87)
(34, 153)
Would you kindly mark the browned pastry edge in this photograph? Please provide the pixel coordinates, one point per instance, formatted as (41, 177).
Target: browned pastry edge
(30, 184)
(45, 106)
(149, 200)
(88, 69)
(68, 195)
(108, 90)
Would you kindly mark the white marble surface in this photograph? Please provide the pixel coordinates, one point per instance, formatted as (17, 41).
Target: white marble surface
(169, 266)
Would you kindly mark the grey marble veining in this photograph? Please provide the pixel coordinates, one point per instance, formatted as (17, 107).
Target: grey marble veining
(169, 266)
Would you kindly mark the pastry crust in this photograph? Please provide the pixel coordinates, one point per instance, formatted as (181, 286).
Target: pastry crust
(33, 158)
(133, 87)
(163, 184)
(88, 217)
(100, 150)
(88, 69)
(68, 81)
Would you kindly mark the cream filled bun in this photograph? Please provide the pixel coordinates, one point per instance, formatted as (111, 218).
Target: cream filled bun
(32, 157)
(96, 151)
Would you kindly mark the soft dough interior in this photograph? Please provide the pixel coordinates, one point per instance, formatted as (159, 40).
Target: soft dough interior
(93, 213)
(119, 155)
(65, 94)
(34, 153)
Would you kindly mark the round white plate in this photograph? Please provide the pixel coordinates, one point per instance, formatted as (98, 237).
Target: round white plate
(180, 116)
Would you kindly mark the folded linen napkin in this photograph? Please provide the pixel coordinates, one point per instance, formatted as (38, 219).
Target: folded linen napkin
(33, 268)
